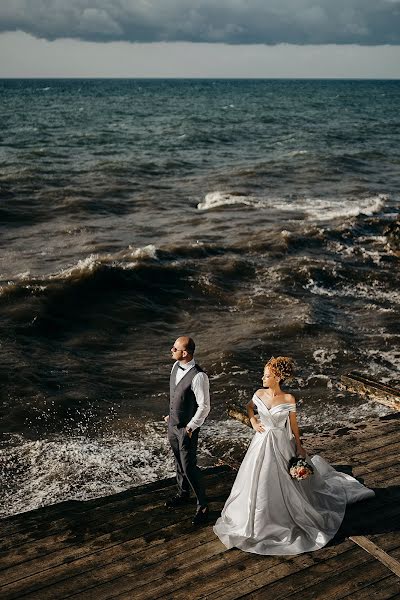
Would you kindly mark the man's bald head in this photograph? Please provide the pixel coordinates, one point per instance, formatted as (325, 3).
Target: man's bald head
(187, 344)
(183, 349)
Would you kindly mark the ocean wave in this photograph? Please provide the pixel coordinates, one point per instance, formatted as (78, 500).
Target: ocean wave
(51, 470)
(125, 260)
(128, 259)
(154, 275)
(373, 292)
(132, 287)
(367, 206)
(321, 209)
(387, 361)
(129, 287)
(47, 471)
(317, 209)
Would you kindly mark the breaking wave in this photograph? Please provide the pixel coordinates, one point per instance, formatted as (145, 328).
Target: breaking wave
(317, 209)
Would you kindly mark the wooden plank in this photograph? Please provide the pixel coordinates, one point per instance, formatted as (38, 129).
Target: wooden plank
(213, 579)
(360, 449)
(370, 547)
(109, 561)
(390, 448)
(54, 516)
(215, 582)
(232, 584)
(391, 482)
(77, 529)
(367, 385)
(344, 583)
(339, 573)
(288, 577)
(126, 574)
(384, 589)
(72, 521)
(95, 556)
(50, 514)
(160, 526)
(129, 547)
(81, 535)
(377, 464)
(381, 475)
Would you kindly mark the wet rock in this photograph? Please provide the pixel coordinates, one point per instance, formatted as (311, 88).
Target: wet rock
(392, 233)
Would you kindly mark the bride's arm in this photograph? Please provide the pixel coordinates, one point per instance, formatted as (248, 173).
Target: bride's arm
(296, 432)
(255, 423)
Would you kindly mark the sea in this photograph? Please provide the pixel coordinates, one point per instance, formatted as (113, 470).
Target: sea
(252, 215)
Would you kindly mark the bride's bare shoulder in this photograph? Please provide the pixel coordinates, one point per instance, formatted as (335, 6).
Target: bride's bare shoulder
(260, 393)
(290, 399)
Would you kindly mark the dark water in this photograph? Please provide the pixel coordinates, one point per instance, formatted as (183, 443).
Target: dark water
(248, 214)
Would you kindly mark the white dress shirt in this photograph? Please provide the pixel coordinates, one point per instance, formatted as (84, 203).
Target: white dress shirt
(201, 389)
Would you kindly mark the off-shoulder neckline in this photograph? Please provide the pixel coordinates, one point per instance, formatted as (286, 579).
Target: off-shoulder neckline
(275, 405)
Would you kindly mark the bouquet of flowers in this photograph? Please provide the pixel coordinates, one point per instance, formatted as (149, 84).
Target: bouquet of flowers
(299, 468)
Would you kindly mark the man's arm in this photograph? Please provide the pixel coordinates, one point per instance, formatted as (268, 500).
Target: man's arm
(201, 388)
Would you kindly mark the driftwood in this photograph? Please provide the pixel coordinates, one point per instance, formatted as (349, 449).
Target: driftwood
(368, 386)
(237, 412)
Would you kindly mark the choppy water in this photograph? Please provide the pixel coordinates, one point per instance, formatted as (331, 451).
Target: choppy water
(249, 214)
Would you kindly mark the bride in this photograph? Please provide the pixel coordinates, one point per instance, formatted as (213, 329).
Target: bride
(267, 511)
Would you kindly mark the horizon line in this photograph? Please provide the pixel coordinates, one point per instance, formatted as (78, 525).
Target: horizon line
(206, 78)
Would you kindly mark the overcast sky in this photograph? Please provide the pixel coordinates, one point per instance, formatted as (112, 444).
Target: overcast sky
(202, 38)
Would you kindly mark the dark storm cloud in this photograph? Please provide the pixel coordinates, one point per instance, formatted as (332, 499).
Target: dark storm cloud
(368, 22)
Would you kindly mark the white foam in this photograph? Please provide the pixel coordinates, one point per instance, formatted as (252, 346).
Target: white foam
(294, 153)
(347, 251)
(325, 209)
(85, 266)
(336, 415)
(317, 209)
(80, 468)
(218, 199)
(121, 259)
(322, 356)
(371, 292)
(43, 472)
(384, 360)
(149, 251)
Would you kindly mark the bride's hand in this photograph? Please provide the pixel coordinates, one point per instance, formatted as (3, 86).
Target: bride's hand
(301, 452)
(256, 425)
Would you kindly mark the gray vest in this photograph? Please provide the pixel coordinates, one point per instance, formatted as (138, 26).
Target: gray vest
(182, 403)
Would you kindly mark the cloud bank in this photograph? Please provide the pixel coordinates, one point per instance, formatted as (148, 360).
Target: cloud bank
(364, 22)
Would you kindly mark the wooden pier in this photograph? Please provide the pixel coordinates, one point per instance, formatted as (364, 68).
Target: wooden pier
(128, 546)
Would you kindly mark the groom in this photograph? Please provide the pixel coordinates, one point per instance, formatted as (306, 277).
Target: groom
(188, 408)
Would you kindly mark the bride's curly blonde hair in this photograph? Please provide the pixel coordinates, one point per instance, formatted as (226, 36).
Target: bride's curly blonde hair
(281, 366)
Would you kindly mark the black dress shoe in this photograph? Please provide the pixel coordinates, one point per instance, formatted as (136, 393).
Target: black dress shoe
(201, 516)
(176, 501)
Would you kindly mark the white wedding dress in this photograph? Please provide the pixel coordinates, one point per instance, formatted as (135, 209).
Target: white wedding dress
(267, 511)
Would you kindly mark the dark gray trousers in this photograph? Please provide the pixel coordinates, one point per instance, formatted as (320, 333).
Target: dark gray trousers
(188, 474)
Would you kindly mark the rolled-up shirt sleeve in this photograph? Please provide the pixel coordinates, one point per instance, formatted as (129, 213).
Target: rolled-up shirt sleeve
(201, 389)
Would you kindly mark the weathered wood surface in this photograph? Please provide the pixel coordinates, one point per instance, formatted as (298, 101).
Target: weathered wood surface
(237, 412)
(128, 546)
(369, 386)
